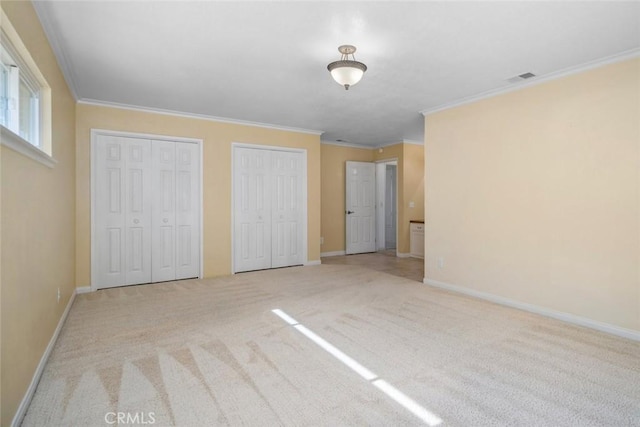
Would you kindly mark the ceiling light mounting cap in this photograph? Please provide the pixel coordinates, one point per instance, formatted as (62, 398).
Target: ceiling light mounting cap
(347, 49)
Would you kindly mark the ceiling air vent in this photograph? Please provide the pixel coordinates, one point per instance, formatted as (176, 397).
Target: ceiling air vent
(521, 77)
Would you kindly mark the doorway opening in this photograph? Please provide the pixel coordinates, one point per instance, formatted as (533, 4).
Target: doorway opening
(387, 205)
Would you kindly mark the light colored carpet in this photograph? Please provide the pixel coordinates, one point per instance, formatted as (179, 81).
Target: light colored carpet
(211, 352)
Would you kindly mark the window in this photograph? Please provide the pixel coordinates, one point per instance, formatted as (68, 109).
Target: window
(25, 99)
(19, 96)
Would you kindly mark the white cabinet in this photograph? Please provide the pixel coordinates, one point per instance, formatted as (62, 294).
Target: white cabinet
(417, 239)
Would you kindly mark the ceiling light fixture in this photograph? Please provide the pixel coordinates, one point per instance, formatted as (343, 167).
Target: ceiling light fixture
(347, 72)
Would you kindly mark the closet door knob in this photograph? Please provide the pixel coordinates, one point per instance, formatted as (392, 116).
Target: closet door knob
(136, 221)
(165, 220)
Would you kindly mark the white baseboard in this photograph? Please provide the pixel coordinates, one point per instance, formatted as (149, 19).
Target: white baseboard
(314, 262)
(26, 400)
(559, 315)
(83, 290)
(335, 253)
(403, 255)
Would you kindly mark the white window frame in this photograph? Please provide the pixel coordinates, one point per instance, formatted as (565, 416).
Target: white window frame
(40, 149)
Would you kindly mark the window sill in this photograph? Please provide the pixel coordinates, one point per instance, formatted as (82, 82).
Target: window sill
(22, 146)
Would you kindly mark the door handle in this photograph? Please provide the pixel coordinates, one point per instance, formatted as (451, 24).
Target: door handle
(136, 221)
(165, 220)
(350, 212)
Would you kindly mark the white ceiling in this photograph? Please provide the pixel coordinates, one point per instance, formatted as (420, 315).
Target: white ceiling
(266, 61)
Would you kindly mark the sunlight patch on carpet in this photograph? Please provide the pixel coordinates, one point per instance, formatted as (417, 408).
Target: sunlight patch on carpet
(395, 394)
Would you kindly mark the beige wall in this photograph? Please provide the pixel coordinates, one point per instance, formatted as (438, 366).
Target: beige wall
(410, 188)
(534, 195)
(38, 248)
(333, 159)
(413, 183)
(217, 137)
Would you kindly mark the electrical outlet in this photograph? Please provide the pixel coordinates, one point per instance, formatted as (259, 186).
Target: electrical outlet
(58, 294)
(440, 262)
(322, 240)
(412, 205)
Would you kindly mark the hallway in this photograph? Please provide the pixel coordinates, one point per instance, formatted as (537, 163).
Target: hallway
(384, 261)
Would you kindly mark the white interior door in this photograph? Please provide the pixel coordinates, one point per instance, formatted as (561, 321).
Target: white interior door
(138, 211)
(286, 209)
(269, 197)
(163, 258)
(187, 210)
(123, 211)
(360, 207)
(110, 215)
(252, 209)
(146, 211)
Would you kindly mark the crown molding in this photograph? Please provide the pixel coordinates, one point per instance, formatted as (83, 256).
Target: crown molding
(372, 147)
(97, 103)
(58, 52)
(347, 144)
(402, 141)
(412, 142)
(622, 56)
(389, 144)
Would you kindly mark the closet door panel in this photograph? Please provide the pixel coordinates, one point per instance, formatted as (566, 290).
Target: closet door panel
(110, 214)
(187, 210)
(147, 211)
(163, 256)
(287, 208)
(138, 202)
(252, 209)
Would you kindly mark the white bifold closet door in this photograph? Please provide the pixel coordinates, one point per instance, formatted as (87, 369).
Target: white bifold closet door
(175, 221)
(147, 207)
(123, 211)
(268, 209)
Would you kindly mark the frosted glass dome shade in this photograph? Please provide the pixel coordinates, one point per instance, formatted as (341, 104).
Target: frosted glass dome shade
(347, 73)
